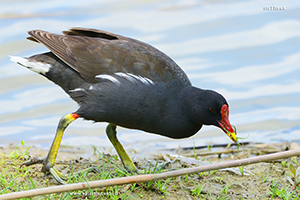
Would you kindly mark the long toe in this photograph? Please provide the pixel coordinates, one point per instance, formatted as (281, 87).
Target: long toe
(32, 161)
(59, 177)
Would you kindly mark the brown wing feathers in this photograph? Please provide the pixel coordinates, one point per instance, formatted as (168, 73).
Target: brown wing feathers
(92, 33)
(92, 52)
(75, 50)
(55, 43)
(81, 50)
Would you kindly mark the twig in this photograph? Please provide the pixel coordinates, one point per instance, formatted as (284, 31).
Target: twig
(148, 177)
(225, 151)
(214, 146)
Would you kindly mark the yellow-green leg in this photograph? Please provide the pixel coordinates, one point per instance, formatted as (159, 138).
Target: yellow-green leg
(112, 135)
(51, 157)
(128, 164)
(49, 160)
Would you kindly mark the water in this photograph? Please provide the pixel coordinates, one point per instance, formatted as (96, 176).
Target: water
(241, 49)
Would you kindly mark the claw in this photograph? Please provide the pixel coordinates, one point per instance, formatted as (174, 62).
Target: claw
(32, 161)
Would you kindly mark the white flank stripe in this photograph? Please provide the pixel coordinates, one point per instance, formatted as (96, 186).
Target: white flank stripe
(124, 75)
(108, 77)
(132, 77)
(76, 90)
(37, 67)
(149, 80)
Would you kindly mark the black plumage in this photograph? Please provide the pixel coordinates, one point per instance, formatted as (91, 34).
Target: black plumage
(126, 82)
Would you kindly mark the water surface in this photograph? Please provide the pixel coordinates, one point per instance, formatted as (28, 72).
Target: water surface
(246, 50)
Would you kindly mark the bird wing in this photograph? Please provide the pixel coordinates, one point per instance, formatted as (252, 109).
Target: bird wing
(94, 52)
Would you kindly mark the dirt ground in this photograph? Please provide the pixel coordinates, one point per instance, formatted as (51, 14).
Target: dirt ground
(273, 180)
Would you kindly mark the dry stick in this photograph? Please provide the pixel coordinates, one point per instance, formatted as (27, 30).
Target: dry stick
(148, 177)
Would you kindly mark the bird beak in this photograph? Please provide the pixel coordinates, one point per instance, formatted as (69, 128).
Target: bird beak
(225, 124)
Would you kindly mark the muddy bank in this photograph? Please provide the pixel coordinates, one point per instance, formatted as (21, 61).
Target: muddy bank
(273, 180)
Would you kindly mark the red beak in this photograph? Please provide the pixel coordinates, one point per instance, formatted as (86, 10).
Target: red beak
(225, 124)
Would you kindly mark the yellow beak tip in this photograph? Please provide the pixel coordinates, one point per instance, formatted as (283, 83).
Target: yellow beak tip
(232, 136)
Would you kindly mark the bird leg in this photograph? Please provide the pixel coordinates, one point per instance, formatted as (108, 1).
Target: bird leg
(128, 164)
(112, 135)
(49, 160)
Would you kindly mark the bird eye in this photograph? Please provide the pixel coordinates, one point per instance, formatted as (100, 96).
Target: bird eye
(211, 110)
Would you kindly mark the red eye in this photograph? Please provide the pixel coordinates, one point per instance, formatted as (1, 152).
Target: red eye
(211, 110)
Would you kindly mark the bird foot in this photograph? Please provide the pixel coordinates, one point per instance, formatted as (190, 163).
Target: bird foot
(33, 160)
(59, 177)
(49, 169)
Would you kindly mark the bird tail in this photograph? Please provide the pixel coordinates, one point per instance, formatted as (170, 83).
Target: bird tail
(48, 65)
(38, 67)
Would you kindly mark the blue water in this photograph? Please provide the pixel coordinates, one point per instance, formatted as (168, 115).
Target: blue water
(248, 54)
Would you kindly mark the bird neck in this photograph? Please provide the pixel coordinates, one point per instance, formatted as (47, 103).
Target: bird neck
(190, 98)
(181, 115)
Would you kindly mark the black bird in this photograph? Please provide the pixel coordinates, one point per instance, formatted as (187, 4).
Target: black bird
(124, 82)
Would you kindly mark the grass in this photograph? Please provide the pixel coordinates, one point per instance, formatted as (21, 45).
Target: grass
(14, 179)
(198, 189)
(283, 192)
(15, 153)
(205, 185)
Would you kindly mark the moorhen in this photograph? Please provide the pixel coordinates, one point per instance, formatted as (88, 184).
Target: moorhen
(124, 82)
